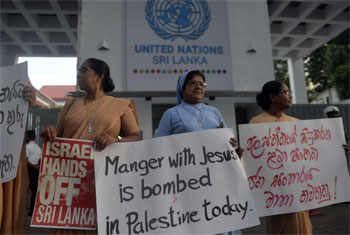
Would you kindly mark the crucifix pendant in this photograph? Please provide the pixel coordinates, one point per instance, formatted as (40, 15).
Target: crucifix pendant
(89, 129)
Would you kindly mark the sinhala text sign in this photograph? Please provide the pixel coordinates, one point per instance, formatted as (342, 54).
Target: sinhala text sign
(295, 166)
(66, 190)
(190, 183)
(166, 38)
(13, 117)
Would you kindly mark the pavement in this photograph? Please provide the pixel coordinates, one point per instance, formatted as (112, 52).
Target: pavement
(336, 221)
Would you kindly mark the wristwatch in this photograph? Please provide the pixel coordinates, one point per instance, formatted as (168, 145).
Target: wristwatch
(119, 138)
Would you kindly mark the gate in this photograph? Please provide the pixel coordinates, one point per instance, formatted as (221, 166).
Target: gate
(38, 118)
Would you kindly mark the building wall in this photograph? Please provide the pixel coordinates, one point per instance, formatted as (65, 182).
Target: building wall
(104, 20)
(249, 30)
(328, 96)
(7, 57)
(252, 62)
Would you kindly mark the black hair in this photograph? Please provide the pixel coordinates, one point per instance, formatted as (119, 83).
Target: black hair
(101, 68)
(30, 135)
(263, 98)
(191, 75)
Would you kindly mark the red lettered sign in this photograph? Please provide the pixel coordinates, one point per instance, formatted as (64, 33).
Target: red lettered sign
(66, 191)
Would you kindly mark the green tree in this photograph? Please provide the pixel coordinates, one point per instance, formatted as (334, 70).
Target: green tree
(337, 68)
(328, 66)
(281, 71)
(341, 81)
(315, 67)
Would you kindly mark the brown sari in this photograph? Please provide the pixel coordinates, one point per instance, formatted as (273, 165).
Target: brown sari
(106, 115)
(292, 223)
(14, 198)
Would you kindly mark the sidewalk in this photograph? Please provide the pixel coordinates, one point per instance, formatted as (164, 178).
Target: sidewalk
(336, 221)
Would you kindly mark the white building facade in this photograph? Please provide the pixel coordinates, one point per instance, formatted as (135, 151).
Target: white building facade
(235, 40)
(246, 42)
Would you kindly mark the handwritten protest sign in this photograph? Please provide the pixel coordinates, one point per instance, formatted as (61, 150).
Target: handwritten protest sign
(295, 166)
(66, 191)
(13, 117)
(190, 183)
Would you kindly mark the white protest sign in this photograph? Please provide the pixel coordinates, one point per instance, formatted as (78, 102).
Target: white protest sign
(295, 166)
(13, 117)
(190, 183)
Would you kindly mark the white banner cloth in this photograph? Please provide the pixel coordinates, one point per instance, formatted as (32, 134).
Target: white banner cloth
(295, 166)
(13, 117)
(190, 183)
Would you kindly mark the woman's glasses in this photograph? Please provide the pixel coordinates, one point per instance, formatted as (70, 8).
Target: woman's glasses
(195, 83)
(286, 92)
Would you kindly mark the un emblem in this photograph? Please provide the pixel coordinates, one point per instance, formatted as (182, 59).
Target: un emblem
(187, 19)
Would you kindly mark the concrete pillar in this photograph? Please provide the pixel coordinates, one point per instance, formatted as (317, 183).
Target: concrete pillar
(144, 114)
(297, 80)
(227, 110)
(250, 41)
(7, 58)
(102, 23)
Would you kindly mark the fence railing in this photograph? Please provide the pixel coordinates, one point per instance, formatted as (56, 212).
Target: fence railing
(39, 118)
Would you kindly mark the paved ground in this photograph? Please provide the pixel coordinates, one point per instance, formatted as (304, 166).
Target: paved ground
(336, 221)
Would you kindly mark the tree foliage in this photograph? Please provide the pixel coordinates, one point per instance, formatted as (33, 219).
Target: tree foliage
(281, 71)
(337, 67)
(328, 66)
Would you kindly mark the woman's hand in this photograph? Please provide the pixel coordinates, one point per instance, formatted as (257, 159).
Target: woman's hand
(347, 149)
(233, 142)
(49, 133)
(238, 150)
(103, 140)
(29, 95)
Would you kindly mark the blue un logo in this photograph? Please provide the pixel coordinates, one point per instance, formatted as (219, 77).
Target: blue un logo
(178, 18)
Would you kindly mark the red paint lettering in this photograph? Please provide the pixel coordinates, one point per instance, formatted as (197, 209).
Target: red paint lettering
(275, 159)
(309, 137)
(256, 181)
(274, 200)
(318, 193)
(254, 147)
(293, 178)
(307, 154)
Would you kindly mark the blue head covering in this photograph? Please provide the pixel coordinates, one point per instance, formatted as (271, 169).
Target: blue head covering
(180, 84)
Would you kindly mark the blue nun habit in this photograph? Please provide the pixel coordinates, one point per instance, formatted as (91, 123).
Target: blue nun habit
(187, 118)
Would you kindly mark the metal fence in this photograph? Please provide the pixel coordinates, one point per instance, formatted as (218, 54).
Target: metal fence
(39, 118)
(315, 111)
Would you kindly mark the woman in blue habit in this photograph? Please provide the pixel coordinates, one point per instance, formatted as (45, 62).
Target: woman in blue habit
(190, 113)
